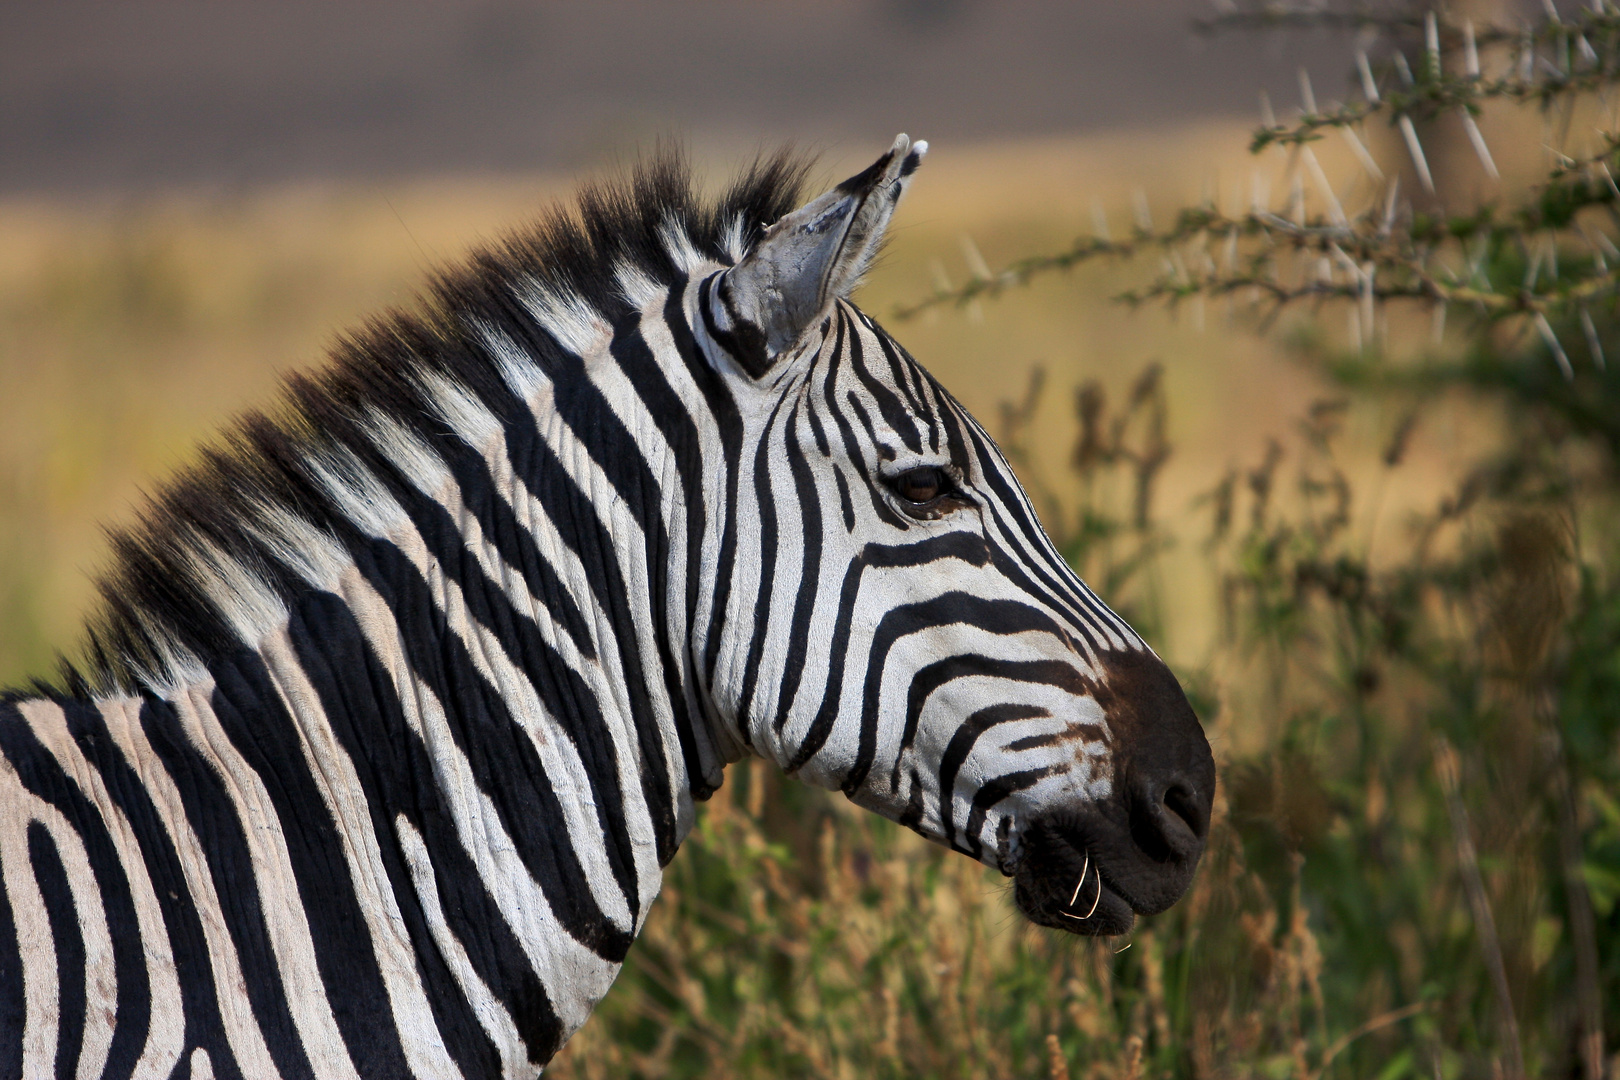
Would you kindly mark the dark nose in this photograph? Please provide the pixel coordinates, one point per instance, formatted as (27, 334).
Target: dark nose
(1164, 775)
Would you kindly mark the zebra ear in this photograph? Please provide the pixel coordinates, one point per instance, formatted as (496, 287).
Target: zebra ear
(759, 308)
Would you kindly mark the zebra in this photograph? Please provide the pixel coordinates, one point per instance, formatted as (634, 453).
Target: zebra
(401, 697)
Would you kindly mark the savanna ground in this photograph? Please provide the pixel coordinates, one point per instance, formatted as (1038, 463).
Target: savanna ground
(1365, 640)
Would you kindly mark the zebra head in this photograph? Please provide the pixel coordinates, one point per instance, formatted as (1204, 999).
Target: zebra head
(892, 620)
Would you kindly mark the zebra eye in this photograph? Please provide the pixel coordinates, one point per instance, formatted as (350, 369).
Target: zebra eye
(920, 485)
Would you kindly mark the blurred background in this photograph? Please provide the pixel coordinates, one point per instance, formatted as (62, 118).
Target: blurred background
(196, 198)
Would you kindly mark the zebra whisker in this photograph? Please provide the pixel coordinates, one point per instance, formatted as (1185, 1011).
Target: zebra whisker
(1077, 885)
(1097, 901)
(1084, 870)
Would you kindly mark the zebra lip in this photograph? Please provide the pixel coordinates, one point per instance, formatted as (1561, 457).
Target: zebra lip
(1058, 883)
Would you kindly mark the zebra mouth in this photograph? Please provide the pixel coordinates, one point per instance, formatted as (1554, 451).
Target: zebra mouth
(1061, 881)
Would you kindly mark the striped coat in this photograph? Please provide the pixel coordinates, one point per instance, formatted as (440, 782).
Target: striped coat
(401, 698)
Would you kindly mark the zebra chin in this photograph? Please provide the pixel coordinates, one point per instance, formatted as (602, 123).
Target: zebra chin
(1079, 873)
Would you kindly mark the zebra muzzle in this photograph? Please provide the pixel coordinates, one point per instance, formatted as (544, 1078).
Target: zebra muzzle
(1091, 868)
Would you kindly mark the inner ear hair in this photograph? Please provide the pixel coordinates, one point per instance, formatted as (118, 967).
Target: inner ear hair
(760, 308)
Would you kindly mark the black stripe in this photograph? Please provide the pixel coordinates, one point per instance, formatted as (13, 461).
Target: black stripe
(249, 710)
(560, 689)
(769, 543)
(890, 407)
(134, 1006)
(1002, 617)
(13, 1002)
(910, 374)
(992, 793)
(729, 422)
(951, 545)
(916, 407)
(844, 503)
(804, 604)
(51, 877)
(213, 820)
(681, 434)
(963, 739)
(397, 777)
(930, 678)
(498, 749)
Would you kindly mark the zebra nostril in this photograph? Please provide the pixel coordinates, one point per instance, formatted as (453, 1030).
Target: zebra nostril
(1170, 819)
(1182, 801)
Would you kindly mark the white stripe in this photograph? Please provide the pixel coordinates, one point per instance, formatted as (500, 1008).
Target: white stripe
(685, 255)
(230, 986)
(556, 748)
(202, 1066)
(574, 977)
(279, 902)
(166, 1031)
(630, 545)
(566, 315)
(374, 510)
(492, 1015)
(559, 759)
(34, 939)
(335, 775)
(100, 976)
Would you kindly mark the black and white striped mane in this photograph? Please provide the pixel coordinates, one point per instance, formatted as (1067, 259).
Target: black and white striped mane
(157, 595)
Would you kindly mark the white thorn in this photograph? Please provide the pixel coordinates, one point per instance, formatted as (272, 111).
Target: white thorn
(1368, 301)
(1551, 339)
(1478, 140)
(1613, 187)
(1368, 86)
(1139, 199)
(1470, 50)
(1389, 206)
(1366, 159)
(1593, 345)
(1431, 42)
(1099, 221)
(1415, 148)
(1306, 94)
(1335, 211)
(1404, 69)
(975, 261)
(1267, 118)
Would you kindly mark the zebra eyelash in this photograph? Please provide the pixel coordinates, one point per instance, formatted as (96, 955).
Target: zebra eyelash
(951, 496)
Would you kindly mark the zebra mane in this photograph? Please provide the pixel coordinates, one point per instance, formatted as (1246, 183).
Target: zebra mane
(223, 544)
